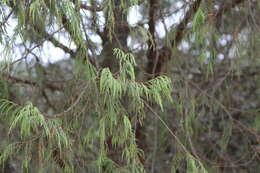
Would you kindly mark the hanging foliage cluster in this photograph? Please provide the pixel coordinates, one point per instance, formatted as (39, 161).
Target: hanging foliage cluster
(174, 89)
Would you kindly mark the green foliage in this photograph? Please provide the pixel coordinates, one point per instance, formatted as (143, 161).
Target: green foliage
(33, 126)
(94, 111)
(10, 150)
(113, 89)
(198, 20)
(194, 165)
(112, 114)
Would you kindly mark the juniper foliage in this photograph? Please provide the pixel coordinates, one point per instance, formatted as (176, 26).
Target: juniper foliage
(129, 97)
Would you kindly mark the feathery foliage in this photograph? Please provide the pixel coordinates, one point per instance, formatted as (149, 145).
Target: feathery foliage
(129, 86)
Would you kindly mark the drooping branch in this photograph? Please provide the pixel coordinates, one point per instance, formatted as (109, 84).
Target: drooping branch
(180, 29)
(158, 58)
(78, 40)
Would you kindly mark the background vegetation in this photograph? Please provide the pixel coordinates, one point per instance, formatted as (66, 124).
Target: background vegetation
(130, 86)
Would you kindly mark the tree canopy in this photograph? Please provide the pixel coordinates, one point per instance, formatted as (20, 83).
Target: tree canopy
(130, 86)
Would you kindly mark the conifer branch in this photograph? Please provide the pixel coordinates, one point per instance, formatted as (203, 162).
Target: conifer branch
(55, 42)
(181, 28)
(2, 23)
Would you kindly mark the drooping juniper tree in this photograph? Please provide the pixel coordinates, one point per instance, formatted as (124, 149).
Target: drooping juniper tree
(142, 86)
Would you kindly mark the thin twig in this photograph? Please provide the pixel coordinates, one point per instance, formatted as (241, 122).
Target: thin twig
(167, 127)
(67, 110)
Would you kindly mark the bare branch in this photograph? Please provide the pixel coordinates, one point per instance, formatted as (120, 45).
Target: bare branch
(13, 79)
(67, 110)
